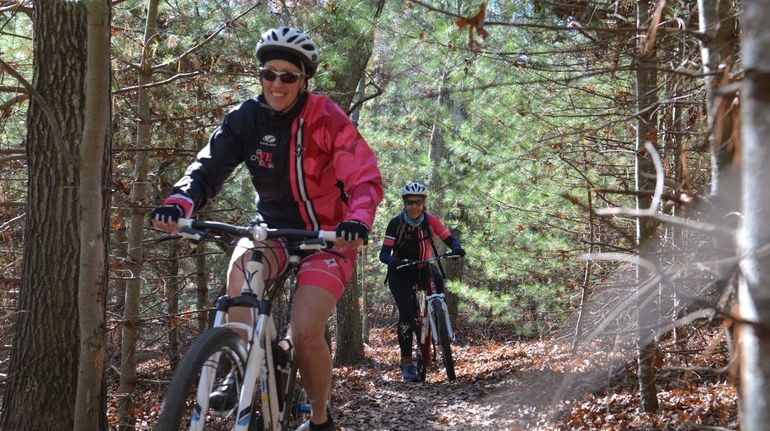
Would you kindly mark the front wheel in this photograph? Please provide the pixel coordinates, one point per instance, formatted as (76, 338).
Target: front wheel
(446, 342)
(421, 332)
(214, 354)
(421, 359)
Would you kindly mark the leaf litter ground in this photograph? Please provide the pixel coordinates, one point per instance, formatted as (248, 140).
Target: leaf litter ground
(514, 384)
(539, 385)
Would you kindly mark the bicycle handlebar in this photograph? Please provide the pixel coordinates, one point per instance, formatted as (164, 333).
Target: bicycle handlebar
(408, 262)
(193, 229)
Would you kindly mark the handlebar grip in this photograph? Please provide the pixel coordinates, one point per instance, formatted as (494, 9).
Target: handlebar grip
(328, 235)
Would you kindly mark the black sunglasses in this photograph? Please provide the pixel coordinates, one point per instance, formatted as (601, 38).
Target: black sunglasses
(286, 77)
(410, 202)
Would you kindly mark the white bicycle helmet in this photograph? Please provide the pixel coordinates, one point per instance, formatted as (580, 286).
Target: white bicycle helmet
(293, 40)
(414, 188)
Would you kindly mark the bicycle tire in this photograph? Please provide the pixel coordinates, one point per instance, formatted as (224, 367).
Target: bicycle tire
(422, 355)
(419, 358)
(179, 404)
(446, 342)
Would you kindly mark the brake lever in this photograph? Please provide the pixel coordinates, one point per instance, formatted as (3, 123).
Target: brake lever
(313, 244)
(167, 238)
(194, 235)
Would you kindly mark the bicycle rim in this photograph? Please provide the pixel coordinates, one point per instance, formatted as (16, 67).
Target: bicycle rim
(213, 354)
(446, 342)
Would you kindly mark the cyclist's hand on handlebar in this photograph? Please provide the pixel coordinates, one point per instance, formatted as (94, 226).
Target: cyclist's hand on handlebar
(352, 233)
(459, 252)
(165, 217)
(396, 262)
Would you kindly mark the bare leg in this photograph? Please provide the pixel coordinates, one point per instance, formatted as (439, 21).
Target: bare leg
(312, 307)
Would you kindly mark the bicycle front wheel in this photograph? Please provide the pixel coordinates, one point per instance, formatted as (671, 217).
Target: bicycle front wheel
(446, 342)
(214, 354)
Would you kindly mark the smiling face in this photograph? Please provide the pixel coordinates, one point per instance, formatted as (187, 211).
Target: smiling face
(414, 204)
(278, 94)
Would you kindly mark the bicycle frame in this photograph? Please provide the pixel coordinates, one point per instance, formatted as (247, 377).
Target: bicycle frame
(432, 302)
(260, 359)
(425, 318)
(260, 364)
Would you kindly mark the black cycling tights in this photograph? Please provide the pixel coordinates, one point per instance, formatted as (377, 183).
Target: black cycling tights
(400, 283)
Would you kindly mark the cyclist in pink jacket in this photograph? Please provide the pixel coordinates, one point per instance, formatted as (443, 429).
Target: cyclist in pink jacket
(311, 170)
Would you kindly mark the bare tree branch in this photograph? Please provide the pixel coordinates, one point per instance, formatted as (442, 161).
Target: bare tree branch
(358, 103)
(157, 83)
(5, 107)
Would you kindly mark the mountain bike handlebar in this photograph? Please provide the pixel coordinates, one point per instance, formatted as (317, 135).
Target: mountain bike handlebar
(195, 230)
(409, 262)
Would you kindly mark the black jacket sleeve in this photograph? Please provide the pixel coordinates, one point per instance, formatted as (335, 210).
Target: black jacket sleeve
(204, 178)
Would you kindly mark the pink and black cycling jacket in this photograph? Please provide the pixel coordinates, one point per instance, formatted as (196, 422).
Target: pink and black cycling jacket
(310, 167)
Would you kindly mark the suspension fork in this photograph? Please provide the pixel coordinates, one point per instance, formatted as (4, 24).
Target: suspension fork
(259, 363)
(437, 301)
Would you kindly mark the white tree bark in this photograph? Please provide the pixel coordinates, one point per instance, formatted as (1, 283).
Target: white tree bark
(754, 235)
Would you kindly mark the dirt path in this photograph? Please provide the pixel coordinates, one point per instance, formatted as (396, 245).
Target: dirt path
(490, 392)
(507, 385)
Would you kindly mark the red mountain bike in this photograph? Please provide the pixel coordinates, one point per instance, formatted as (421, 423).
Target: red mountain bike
(432, 327)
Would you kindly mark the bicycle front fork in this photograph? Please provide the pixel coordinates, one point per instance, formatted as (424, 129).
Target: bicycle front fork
(435, 301)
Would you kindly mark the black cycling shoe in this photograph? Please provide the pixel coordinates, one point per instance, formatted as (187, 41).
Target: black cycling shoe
(224, 400)
(328, 426)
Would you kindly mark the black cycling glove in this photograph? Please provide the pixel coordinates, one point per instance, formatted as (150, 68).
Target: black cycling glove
(352, 230)
(167, 213)
(458, 252)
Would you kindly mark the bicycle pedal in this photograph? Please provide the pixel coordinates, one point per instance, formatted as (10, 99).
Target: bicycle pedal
(304, 408)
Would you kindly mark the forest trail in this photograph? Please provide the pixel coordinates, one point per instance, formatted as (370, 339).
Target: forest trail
(510, 385)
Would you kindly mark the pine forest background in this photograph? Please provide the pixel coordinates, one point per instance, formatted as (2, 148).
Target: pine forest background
(587, 154)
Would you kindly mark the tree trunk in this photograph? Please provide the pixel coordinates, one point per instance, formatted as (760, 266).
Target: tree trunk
(675, 232)
(350, 347)
(588, 268)
(201, 285)
(135, 262)
(93, 197)
(120, 252)
(364, 296)
(646, 85)
(718, 51)
(43, 372)
(717, 22)
(439, 155)
(345, 79)
(172, 303)
(754, 286)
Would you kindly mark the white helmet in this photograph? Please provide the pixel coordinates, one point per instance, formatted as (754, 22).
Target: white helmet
(292, 40)
(414, 188)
